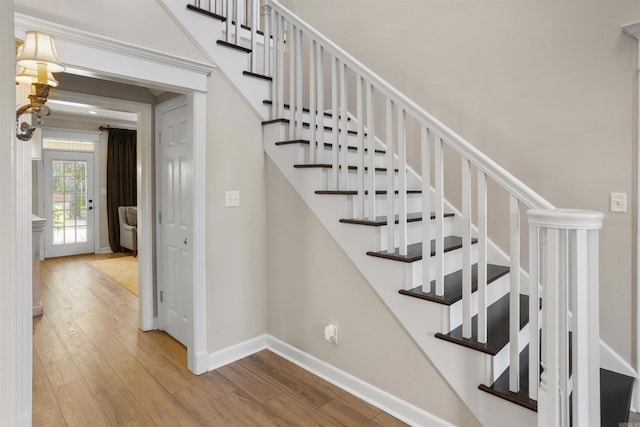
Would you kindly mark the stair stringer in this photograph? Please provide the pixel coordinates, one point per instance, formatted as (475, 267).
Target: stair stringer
(464, 369)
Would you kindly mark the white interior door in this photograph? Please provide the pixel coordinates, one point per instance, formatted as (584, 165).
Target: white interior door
(175, 217)
(68, 203)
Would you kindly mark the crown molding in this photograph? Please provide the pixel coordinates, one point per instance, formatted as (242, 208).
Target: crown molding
(25, 22)
(632, 29)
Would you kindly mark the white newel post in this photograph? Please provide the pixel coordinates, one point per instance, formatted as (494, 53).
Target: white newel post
(567, 267)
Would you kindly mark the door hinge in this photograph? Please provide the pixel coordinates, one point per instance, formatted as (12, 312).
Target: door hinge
(161, 296)
(160, 217)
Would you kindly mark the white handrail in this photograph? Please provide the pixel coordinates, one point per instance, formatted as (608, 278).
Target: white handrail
(463, 147)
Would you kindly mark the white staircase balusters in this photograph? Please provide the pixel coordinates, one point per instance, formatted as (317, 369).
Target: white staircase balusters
(335, 135)
(425, 150)
(343, 128)
(482, 256)
(360, 147)
(389, 161)
(313, 113)
(401, 182)
(371, 147)
(466, 248)
(514, 294)
(438, 161)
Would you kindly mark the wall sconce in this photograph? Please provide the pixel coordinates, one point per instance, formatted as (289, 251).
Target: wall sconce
(36, 61)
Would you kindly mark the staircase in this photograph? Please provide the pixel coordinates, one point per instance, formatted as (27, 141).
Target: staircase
(342, 141)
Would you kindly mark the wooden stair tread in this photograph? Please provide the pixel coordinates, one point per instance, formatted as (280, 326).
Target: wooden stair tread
(498, 327)
(382, 220)
(355, 193)
(206, 12)
(257, 75)
(414, 251)
(304, 109)
(330, 166)
(453, 285)
(304, 124)
(615, 392)
(615, 398)
(326, 145)
(234, 46)
(500, 387)
(219, 17)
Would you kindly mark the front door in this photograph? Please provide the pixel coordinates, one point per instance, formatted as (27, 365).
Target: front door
(68, 203)
(175, 189)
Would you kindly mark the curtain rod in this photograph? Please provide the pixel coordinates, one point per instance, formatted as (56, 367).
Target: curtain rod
(107, 127)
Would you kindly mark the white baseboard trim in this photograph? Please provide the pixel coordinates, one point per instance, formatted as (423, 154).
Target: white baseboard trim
(104, 250)
(236, 352)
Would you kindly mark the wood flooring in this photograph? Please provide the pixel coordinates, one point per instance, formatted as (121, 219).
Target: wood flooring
(92, 366)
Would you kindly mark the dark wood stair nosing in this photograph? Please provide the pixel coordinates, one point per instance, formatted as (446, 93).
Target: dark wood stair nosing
(453, 285)
(304, 109)
(500, 387)
(220, 17)
(326, 145)
(498, 327)
(307, 125)
(330, 166)
(414, 250)
(382, 220)
(355, 192)
(234, 46)
(206, 12)
(257, 75)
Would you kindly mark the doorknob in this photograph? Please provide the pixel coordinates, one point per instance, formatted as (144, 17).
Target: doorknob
(185, 241)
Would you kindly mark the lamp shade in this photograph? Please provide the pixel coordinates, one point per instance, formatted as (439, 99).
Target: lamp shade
(29, 76)
(39, 48)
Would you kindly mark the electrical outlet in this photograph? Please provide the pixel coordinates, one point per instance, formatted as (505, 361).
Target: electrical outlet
(618, 202)
(232, 199)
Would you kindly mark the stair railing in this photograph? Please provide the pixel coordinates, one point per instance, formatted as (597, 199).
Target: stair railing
(307, 68)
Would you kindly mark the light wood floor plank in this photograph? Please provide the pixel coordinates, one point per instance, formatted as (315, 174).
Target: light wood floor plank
(51, 417)
(250, 412)
(43, 396)
(79, 406)
(254, 386)
(306, 392)
(55, 359)
(163, 408)
(206, 409)
(295, 413)
(117, 402)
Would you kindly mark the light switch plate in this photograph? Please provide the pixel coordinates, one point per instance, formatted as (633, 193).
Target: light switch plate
(232, 199)
(618, 202)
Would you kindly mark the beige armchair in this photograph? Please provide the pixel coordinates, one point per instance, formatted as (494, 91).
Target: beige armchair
(128, 216)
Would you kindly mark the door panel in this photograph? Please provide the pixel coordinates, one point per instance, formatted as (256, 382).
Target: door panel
(68, 197)
(175, 196)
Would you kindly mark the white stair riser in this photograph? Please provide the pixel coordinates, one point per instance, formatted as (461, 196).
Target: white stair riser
(495, 291)
(500, 362)
(414, 233)
(303, 156)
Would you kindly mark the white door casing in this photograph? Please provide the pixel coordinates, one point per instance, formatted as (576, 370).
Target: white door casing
(69, 195)
(174, 167)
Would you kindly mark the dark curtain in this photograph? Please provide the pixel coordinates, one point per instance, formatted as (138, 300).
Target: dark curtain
(121, 179)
